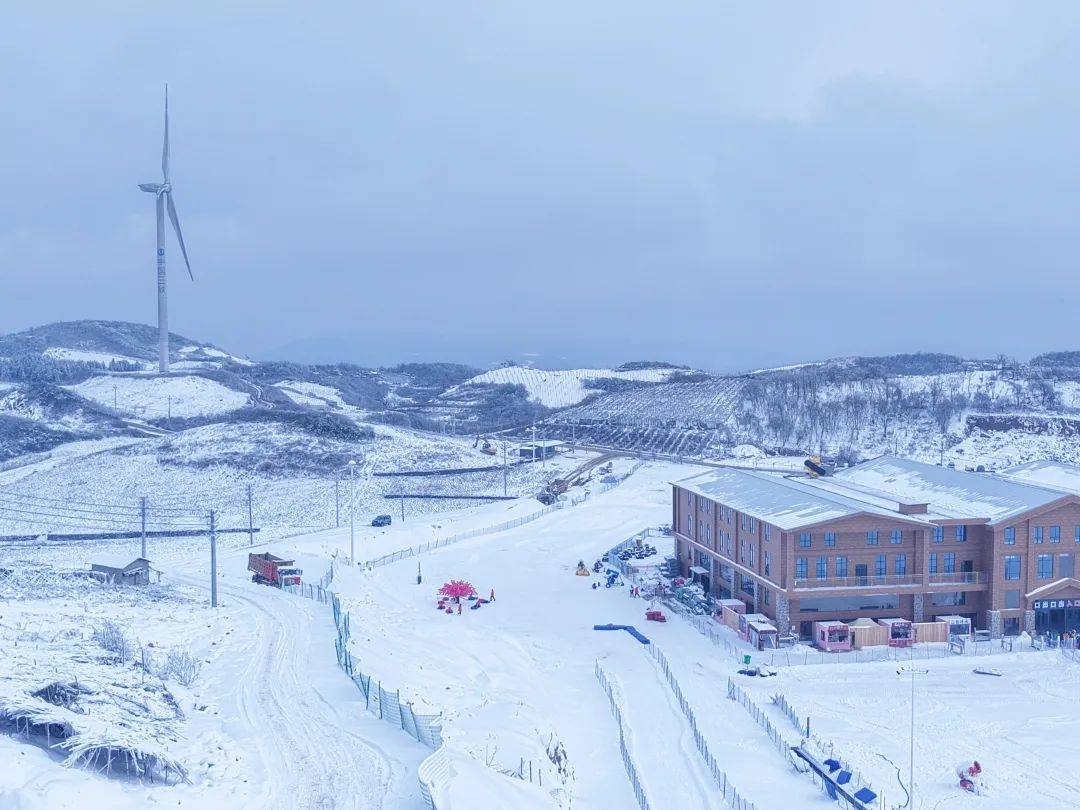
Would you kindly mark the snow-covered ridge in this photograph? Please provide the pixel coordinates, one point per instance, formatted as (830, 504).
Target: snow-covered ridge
(82, 356)
(562, 388)
(158, 397)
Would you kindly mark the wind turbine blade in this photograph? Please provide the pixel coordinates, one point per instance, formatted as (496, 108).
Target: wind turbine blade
(165, 144)
(176, 227)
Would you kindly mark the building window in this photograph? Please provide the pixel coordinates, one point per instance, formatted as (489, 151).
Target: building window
(1037, 534)
(950, 562)
(896, 537)
(689, 497)
(753, 556)
(1012, 599)
(822, 567)
(766, 563)
(871, 538)
(804, 540)
(933, 562)
(690, 525)
(880, 568)
(1012, 566)
(830, 539)
(900, 564)
(939, 534)
(708, 533)
(1076, 533)
(1055, 534)
(768, 532)
(765, 596)
(961, 533)
(1010, 536)
(1044, 566)
(841, 566)
(800, 568)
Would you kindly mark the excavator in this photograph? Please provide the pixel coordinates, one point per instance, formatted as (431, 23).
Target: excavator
(487, 447)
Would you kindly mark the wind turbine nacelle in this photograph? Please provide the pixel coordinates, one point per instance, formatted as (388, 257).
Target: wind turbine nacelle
(152, 188)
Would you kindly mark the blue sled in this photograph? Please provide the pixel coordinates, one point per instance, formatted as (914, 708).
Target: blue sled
(631, 630)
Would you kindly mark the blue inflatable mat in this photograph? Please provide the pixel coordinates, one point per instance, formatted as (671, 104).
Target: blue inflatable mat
(865, 795)
(631, 630)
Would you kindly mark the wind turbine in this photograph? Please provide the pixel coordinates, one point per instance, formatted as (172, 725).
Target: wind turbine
(163, 192)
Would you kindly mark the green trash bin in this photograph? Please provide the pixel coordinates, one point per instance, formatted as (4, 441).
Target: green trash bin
(746, 660)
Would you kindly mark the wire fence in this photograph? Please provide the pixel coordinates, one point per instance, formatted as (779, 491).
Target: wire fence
(731, 795)
(423, 548)
(810, 746)
(627, 758)
(385, 703)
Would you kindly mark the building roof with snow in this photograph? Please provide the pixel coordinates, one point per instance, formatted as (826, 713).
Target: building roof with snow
(1044, 473)
(785, 502)
(895, 488)
(959, 494)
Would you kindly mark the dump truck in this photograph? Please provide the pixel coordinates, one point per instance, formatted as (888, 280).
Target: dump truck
(270, 570)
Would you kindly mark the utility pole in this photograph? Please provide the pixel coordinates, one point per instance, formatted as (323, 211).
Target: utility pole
(251, 521)
(337, 502)
(534, 442)
(114, 397)
(169, 400)
(352, 512)
(213, 559)
(142, 517)
(504, 468)
(403, 506)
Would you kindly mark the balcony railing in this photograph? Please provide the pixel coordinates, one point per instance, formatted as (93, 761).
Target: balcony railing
(893, 580)
(957, 578)
(879, 581)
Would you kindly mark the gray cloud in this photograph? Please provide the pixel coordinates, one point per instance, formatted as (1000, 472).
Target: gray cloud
(713, 183)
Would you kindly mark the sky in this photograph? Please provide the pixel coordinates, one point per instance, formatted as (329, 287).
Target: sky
(726, 185)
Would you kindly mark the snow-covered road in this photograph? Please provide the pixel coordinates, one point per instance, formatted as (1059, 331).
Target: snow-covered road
(284, 699)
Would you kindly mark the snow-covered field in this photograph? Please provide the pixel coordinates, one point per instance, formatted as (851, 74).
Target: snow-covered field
(1020, 726)
(82, 356)
(282, 726)
(158, 397)
(562, 388)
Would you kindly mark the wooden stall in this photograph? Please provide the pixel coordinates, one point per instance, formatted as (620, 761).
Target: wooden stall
(899, 632)
(832, 636)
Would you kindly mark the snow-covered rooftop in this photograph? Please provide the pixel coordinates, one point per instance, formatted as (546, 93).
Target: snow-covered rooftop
(1044, 473)
(951, 492)
(896, 488)
(787, 503)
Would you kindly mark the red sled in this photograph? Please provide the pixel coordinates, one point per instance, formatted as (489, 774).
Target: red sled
(655, 616)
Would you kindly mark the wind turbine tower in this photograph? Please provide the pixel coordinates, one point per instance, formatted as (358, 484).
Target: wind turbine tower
(164, 201)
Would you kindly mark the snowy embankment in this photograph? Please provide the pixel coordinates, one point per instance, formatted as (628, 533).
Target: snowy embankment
(158, 397)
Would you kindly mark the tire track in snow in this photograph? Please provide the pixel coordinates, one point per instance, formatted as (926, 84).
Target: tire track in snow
(311, 757)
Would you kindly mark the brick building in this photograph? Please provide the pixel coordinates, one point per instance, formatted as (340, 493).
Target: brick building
(888, 538)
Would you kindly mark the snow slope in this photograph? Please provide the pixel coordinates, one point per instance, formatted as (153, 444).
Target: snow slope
(157, 397)
(560, 389)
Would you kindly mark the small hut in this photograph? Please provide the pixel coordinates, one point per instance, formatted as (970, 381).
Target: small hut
(762, 635)
(958, 625)
(900, 634)
(832, 636)
(136, 572)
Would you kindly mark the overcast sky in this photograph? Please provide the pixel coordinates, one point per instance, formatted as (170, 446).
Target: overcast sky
(726, 185)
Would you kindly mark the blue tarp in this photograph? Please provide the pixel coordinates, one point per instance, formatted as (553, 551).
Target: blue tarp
(832, 765)
(843, 777)
(631, 630)
(865, 795)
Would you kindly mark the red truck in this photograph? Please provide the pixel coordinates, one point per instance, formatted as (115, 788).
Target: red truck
(270, 570)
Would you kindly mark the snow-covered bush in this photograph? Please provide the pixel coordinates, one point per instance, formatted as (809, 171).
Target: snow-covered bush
(110, 637)
(181, 666)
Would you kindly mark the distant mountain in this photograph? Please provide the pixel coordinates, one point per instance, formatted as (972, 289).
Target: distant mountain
(87, 379)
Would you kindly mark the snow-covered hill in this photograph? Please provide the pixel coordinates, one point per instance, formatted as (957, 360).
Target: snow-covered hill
(563, 388)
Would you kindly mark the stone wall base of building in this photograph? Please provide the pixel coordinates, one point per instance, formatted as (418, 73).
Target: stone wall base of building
(993, 622)
(1029, 622)
(917, 607)
(783, 613)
